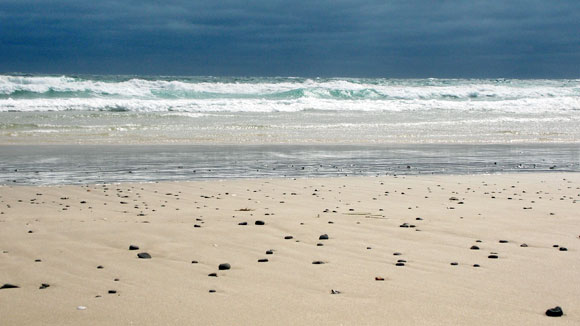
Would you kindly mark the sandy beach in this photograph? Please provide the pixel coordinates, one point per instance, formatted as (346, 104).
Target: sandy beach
(414, 250)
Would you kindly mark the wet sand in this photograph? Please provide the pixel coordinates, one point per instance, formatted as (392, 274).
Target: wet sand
(414, 250)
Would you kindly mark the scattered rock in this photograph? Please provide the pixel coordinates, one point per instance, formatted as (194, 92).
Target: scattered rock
(404, 225)
(476, 265)
(133, 247)
(474, 248)
(212, 274)
(263, 260)
(323, 237)
(224, 267)
(563, 249)
(269, 252)
(320, 244)
(317, 262)
(288, 237)
(258, 222)
(400, 264)
(9, 286)
(524, 245)
(212, 291)
(492, 257)
(378, 278)
(397, 254)
(194, 261)
(503, 241)
(144, 255)
(43, 286)
(100, 267)
(334, 292)
(112, 291)
(243, 223)
(454, 263)
(555, 312)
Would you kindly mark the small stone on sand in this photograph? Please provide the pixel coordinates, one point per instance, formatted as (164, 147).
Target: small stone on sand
(133, 247)
(9, 286)
(555, 312)
(144, 255)
(224, 267)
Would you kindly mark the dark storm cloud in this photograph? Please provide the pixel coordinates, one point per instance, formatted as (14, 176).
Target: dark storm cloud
(337, 38)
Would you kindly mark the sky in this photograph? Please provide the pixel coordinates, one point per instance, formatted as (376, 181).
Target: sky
(326, 38)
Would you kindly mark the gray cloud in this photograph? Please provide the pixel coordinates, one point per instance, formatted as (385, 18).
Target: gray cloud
(360, 38)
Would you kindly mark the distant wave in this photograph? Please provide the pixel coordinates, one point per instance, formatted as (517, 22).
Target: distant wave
(216, 94)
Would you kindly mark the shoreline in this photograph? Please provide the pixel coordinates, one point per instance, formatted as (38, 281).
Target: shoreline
(76, 238)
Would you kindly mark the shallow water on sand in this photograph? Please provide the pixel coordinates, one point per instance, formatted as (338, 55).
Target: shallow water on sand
(82, 164)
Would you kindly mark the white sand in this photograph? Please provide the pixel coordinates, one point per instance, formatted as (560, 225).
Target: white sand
(168, 289)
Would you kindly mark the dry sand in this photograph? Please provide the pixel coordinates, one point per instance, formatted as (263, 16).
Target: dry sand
(74, 229)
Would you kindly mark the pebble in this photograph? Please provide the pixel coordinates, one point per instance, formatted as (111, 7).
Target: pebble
(524, 245)
(269, 252)
(334, 292)
(43, 286)
(211, 291)
(144, 255)
(133, 247)
(224, 267)
(243, 223)
(555, 312)
(493, 257)
(320, 244)
(503, 241)
(323, 237)
(258, 222)
(263, 260)
(194, 261)
(212, 274)
(112, 291)
(563, 249)
(378, 278)
(9, 286)
(400, 264)
(454, 263)
(288, 237)
(474, 248)
(100, 267)
(476, 265)
(317, 262)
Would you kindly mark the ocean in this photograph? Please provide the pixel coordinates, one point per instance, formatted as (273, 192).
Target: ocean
(54, 129)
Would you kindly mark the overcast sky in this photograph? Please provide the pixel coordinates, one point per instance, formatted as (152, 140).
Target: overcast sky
(406, 38)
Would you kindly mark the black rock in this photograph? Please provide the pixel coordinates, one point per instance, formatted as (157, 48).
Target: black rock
(100, 267)
(43, 286)
(400, 264)
(9, 286)
(112, 291)
(475, 265)
(523, 245)
(554, 312)
(317, 262)
(404, 225)
(323, 237)
(37, 260)
(492, 257)
(194, 261)
(263, 260)
(133, 247)
(563, 249)
(320, 244)
(288, 237)
(224, 267)
(555, 246)
(419, 219)
(334, 292)
(478, 241)
(211, 291)
(454, 263)
(258, 222)
(212, 274)
(396, 254)
(196, 226)
(401, 261)
(144, 255)
(243, 223)
(503, 241)
(474, 248)
(269, 252)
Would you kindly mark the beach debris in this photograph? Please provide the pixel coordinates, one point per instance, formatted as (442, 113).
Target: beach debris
(224, 267)
(554, 312)
(81, 308)
(144, 255)
(9, 286)
(334, 292)
(323, 237)
(133, 247)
